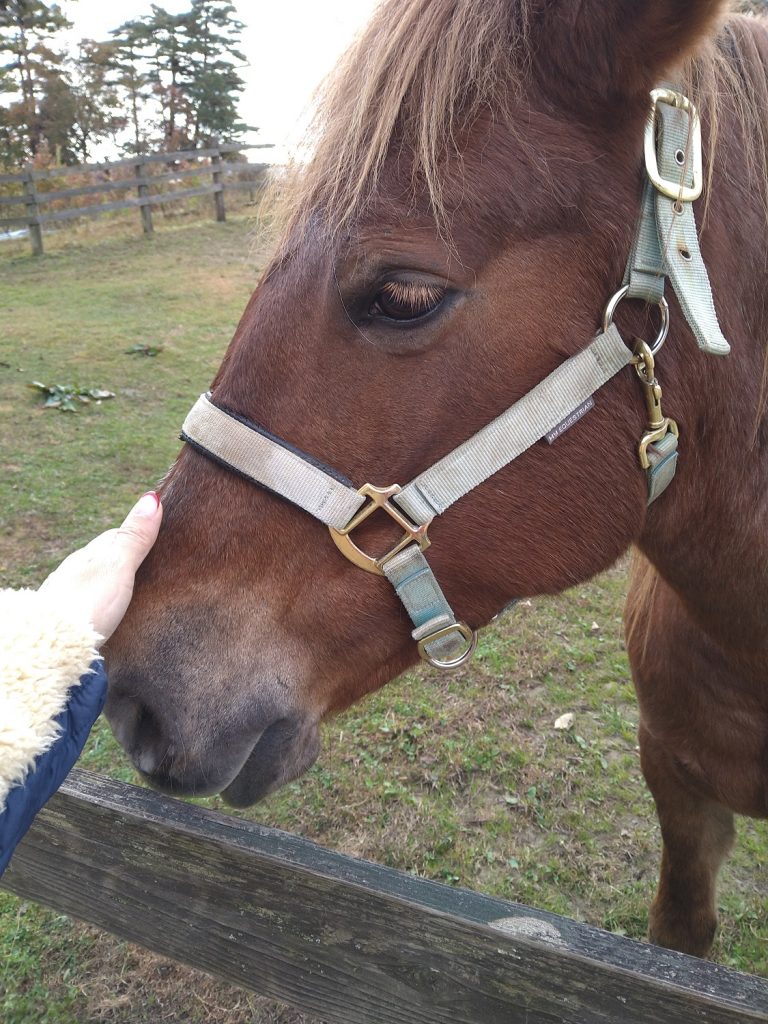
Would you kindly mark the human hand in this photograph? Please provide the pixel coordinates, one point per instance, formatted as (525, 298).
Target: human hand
(99, 577)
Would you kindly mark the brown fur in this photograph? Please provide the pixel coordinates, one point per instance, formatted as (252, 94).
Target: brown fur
(504, 166)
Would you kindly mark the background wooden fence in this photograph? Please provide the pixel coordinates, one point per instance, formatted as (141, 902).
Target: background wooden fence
(345, 939)
(152, 177)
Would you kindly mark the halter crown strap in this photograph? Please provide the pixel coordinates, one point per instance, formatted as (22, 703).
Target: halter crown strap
(666, 242)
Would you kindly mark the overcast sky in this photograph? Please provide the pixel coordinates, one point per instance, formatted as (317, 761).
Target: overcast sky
(290, 44)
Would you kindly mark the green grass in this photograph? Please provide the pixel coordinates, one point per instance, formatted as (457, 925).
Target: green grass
(460, 778)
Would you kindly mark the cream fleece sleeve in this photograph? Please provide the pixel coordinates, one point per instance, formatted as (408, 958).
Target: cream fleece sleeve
(44, 650)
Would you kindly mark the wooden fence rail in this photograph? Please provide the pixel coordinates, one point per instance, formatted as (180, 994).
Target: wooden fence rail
(30, 197)
(342, 938)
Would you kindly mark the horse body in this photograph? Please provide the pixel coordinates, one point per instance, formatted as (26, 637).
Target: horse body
(246, 612)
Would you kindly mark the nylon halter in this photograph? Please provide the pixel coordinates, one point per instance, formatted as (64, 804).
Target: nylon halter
(665, 244)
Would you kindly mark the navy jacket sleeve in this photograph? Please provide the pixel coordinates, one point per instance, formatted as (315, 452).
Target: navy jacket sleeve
(52, 767)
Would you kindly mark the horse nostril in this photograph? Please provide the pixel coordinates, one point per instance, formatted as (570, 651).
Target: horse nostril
(145, 720)
(147, 742)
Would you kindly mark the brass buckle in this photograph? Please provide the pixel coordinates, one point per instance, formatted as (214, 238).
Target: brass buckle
(659, 425)
(379, 499)
(469, 635)
(674, 189)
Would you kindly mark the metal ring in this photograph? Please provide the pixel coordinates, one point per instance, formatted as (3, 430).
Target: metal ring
(622, 293)
(469, 636)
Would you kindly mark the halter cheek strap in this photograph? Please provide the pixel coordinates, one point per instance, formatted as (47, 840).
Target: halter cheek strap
(666, 221)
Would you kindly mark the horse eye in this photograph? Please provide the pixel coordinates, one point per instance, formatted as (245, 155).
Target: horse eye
(406, 300)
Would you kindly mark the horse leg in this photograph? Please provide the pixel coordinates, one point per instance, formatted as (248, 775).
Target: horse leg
(681, 744)
(698, 834)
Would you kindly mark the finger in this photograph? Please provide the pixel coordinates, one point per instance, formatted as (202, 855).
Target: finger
(133, 540)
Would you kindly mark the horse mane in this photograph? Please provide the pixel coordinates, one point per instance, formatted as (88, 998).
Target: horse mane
(731, 77)
(421, 72)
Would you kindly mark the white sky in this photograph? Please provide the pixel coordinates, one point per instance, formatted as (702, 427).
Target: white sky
(290, 44)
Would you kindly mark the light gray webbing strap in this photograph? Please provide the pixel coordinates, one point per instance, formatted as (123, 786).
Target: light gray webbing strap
(645, 275)
(680, 240)
(416, 586)
(663, 463)
(666, 241)
(512, 433)
(266, 461)
(269, 463)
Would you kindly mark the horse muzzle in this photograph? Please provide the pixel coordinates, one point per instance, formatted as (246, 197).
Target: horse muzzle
(243, 760)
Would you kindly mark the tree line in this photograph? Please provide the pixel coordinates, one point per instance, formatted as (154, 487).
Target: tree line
(164, 80)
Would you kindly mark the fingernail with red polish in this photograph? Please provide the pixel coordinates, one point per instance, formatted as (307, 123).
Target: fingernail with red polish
(147, 504)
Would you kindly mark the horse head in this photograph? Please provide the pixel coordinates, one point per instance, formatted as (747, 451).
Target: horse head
(467, 212)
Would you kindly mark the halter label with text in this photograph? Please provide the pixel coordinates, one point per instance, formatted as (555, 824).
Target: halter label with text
(569, 421)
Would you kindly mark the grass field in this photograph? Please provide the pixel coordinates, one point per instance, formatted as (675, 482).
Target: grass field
(460, 778)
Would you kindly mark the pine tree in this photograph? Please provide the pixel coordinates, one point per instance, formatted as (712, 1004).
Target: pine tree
(97, 114)
(32, 69)
(57, 115)
(169, 70)
(212, 81)
(128, 73)
(190, 61)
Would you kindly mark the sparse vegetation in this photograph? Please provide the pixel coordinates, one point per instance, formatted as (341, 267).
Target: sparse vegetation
(142, 349)
(69, 397)
(461, 778)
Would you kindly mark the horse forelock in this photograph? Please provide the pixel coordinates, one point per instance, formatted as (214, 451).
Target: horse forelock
(414, 80)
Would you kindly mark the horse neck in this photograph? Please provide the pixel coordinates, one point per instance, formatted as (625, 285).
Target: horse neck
(708, 535)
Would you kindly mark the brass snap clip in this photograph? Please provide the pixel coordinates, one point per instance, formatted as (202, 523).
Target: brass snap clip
(379, 499)
(659, 425)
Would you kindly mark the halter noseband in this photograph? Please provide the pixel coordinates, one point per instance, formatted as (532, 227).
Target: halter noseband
(665, 244)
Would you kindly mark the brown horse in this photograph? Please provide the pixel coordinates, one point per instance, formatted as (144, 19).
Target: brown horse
(468, 210)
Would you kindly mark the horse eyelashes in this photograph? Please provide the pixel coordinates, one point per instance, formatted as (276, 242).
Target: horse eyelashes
(407, 300)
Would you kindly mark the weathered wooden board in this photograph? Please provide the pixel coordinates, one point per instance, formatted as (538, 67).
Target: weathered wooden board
(348, 940)
(236, 147)
(83, 190)
(73, 212)
(43, 174)
(187, 154)
(123, 185)
(200, 170)
(182, 193)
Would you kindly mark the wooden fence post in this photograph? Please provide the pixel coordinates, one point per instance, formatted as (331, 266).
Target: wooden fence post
(143, 193)
(33, 212)
(218, 183)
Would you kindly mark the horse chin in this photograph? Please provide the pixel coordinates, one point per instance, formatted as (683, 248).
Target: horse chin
(283, 753)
